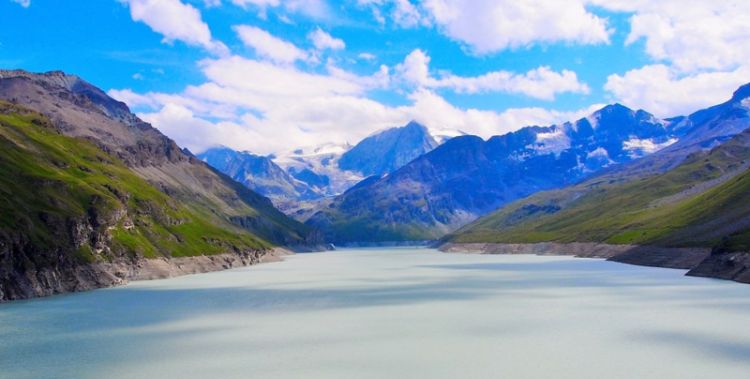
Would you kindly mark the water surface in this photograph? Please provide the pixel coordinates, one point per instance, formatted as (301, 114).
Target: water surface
(390, 313)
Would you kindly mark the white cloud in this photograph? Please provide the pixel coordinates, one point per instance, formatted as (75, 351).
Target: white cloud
(366, 56)
(175, 21)
(257, 3)
(692, 35)
(664, 92)
(488, 26)
(401, 12)
(541, 83)
(268, 46)
(132, 99)
(322, 40)
(270, 79)
(23, 3)
(701, 49)
(263, 107)
(315, 9)
(435, 112)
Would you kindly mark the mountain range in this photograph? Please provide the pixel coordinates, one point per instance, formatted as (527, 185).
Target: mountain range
(698, 196)
(292, 180)
(467, 176)
(262, 175)
(92, 196)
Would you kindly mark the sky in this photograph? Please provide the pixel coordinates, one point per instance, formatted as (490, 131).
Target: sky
(269, 76)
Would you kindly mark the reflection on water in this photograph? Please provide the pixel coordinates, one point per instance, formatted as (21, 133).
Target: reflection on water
(378, 313)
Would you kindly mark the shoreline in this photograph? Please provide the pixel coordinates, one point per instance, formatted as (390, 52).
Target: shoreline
(698, 261)
(50, 282)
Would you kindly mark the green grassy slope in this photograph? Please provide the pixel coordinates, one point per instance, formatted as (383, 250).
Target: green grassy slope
(703, 202)
(63, 197)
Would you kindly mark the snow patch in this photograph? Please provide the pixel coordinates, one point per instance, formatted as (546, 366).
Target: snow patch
(593, 120)
(554, 141)
(641, 147)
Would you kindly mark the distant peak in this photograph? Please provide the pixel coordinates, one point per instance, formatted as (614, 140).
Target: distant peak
(616, 107)
(741, 93)
(414, 124)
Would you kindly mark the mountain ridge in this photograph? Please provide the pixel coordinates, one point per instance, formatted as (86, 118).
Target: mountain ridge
(468, 176)
(697, 198)
(96, 195)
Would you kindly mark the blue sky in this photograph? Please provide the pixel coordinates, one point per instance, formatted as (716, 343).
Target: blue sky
(270, 75)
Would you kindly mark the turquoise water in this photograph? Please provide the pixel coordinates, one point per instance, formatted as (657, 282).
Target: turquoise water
(390, 313)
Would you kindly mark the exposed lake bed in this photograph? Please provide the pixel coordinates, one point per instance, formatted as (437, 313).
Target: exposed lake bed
(390, 312)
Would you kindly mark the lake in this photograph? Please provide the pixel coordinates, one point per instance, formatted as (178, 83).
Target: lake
(390, 313)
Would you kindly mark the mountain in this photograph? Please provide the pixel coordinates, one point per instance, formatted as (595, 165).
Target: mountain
(699, 131)
(92, 195)
(332, 169)
(467, 177)
(702, 203)
(700, 200)
(698, 203)
(388, 150)
(318, 168)
(262, 175)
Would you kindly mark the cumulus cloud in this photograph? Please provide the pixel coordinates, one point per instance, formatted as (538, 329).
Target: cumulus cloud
(248, 104)
(698, 49)
(175, 21)
(701, 51)
(488, 26)
(664, 92)
(541, 83)
(268, 46)
(692, 35)
(437, 113)
(322, 40)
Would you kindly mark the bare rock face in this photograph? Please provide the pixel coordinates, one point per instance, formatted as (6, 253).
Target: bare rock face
(702, 262)
(76, 278)
(654, 256)
(260, 174)
(30, 270)
(724, 265)
(388, 150)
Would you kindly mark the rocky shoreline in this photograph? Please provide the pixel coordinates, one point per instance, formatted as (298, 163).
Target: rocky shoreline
(699, 261)
(39, 283)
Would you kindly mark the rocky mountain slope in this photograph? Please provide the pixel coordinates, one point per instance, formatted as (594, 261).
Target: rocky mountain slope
(309, 177)
(318, 167)
(90, 191)
(388, 150)
(333, 169)
(467, 177)
(264, 176)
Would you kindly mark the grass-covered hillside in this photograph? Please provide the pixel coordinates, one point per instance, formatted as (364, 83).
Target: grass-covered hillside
(64, 201)
(703, 202)
(80, 110)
